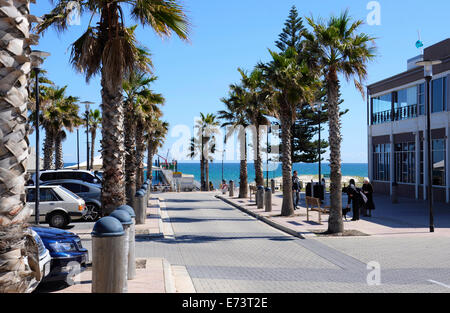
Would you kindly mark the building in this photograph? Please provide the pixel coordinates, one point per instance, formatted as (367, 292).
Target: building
(397, 129)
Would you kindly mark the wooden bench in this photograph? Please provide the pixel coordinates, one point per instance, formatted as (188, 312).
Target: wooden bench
(253, 190)
(313, 204)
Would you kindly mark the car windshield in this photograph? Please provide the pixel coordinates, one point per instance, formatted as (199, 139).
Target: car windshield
(69, 192)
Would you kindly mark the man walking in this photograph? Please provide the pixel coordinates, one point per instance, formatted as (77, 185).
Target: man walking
(296, 187)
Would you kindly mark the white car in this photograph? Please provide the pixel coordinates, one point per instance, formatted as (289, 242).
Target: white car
(83, 175)
(44, 256)
(57, 205)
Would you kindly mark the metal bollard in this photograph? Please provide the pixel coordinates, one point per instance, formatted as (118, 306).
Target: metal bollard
(260, 197)
(231, 188)
(268, 200)
(272, 185)
(139, 207)
(108, 268)
(131, 273)
(144, 188)
(124, 218)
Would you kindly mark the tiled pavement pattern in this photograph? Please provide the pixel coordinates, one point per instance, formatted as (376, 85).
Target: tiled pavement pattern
(225, 250)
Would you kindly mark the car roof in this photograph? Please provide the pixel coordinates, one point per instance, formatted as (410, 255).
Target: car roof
(75, 181)
(65, 170)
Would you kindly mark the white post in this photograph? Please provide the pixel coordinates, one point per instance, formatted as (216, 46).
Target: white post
(417, 165)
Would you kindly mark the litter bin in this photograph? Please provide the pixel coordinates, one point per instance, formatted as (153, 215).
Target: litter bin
(319, 191)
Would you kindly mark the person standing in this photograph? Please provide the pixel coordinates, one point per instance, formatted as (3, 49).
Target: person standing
(354, 197)
(296, 188)
(368, 192)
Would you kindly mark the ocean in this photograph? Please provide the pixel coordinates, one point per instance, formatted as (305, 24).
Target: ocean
(231, 170)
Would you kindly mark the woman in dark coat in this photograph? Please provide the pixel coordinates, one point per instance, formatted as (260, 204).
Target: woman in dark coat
(368, 191)
(355, 198)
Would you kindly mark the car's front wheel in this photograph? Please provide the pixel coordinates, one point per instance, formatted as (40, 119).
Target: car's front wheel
(58, 220)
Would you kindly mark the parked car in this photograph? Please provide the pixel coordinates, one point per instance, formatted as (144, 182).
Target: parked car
(44, 256)
(57, 205)
(90, 193)
(83, 175)
(68, 256)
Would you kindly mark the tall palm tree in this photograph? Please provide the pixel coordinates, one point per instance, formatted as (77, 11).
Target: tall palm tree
(64, 117)
(339, 49)
(155, 137)
(235, 115)
(256, 110)
(203, 144)
(18, 254)
(147, 113)
(95, 121)
(291, 84)
(109, 48)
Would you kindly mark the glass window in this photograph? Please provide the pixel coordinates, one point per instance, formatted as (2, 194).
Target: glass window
(72, 187)
(421, 98)
(381, 109)
(381, 162)
(47, 176)
(405, 162)
(438, 155)
(438, 89)
(406, 103)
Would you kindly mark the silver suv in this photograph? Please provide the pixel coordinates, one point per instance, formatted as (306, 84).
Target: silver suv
(57, 205)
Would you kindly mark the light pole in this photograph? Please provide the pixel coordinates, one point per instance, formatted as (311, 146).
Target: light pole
(318, 106)
(37, 58)
(87, 103)
(428, 73)
(78, 150)
(268, 150)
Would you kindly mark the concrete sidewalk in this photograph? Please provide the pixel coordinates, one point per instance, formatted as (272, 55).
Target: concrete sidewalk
(408, 218)
(153, 275)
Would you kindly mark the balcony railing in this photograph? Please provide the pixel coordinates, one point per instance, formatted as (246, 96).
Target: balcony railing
(399, 114)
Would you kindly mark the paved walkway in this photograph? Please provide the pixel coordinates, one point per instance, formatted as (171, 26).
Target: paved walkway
(226, 250)
(408, 218)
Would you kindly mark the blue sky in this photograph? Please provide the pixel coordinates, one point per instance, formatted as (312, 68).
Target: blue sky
(229, 34)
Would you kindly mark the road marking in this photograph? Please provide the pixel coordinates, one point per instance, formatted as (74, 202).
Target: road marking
(438, 283)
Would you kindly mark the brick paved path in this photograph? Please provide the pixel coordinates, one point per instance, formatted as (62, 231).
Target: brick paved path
(225, 250)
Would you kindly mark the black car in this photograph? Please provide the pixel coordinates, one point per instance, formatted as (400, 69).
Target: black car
(68, 255)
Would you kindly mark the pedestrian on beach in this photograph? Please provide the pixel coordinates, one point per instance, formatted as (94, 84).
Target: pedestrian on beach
(224, 186)
(356, 197)
(211, 186)
(296, 188)
(368, 192)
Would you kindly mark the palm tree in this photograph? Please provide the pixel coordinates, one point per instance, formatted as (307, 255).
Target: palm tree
(155, 137)
(256, 111)
(95, 121)
(291, 84)
(146, 114)
(339, 49)
(110, 49)
(205, 146)
(235, 115)
(18, 252)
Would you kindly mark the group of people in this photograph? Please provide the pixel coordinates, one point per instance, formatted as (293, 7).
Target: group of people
(360, 198)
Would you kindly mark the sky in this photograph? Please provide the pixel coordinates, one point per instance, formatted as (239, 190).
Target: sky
(193, 76)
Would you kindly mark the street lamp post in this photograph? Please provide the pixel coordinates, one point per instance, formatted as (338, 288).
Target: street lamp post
(37, 191)
(428, 73)
(78, 150)
(269, 130)
(37, 58)
(86, 115)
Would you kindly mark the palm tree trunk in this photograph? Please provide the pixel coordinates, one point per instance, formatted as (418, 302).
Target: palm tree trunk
(93, 135)
(335, 224)
(140, 148)
(150, 154)
(259, 177)
(59, 162)
(287, 207)
(113, 147)
(49, 148)
(207, 174)
(202, 174)
(130, 156)
(17, 274)
(243, 176)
